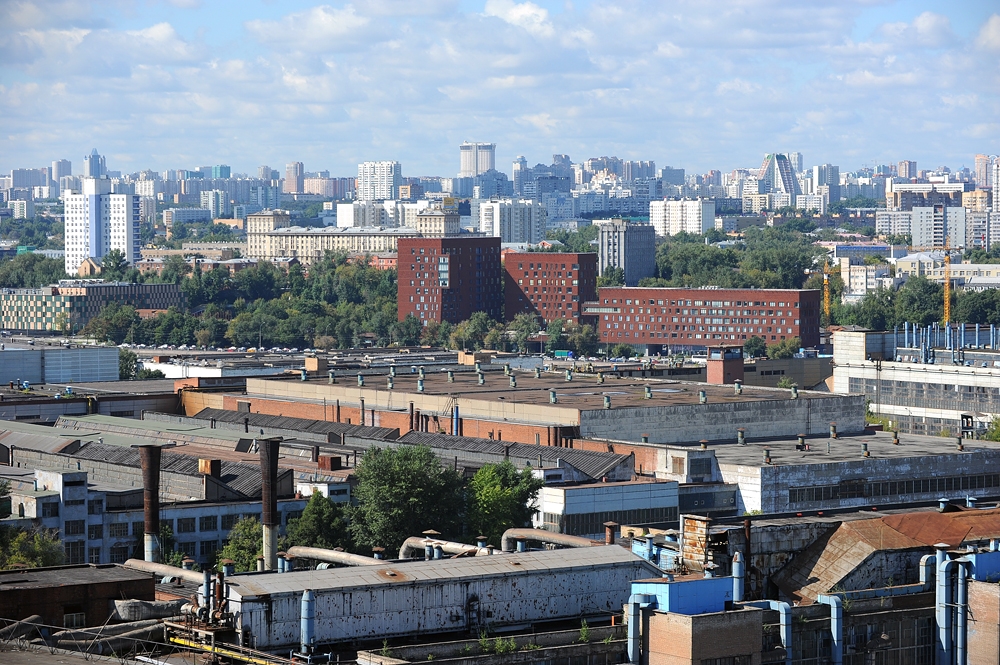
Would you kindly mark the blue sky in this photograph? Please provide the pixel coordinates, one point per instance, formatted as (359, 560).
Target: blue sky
(696, 84)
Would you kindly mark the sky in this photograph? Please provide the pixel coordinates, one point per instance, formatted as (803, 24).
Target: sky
(697, 84)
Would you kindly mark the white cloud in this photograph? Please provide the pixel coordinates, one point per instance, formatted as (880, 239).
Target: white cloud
(927, 30)
(321, 28)
(525, 15)
(989, 34)
(669, 50)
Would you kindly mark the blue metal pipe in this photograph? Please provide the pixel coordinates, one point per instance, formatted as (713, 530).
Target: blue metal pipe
(784, 611)
(454, 420)
(206, 589)
(636, 603)
(836, 627)
(737, 578)
(943, 612)
(977, 335)
(961, 610)
(307, 627)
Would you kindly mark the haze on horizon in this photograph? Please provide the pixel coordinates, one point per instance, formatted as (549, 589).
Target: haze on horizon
(698, 85)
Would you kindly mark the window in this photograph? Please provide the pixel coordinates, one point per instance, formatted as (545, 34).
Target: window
(209, 547)
(75, 527)
(229, 521)
(50, 509)
(118, 530)
(119, 554)
(677, 465)
(93, 555)
(74, 619)
(208, 523)
(138, 528)
(185, 525)
(95, 532)
(75, 552)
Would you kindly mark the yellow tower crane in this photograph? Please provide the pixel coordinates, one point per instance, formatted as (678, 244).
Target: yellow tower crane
(826, 291)
(947, 280)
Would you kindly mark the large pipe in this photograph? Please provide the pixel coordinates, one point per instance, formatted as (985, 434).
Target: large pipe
(307, 626)
(943, 611)
(737, 578)
(416, 545)
(962, 610)
(636, 603)
(784, 611)
(542, 536)
(836, 627)
(269, 450)
(164, 570)
(332, 556)
(149, 458)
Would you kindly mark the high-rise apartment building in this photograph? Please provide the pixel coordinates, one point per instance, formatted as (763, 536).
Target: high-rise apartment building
(98, 222)
(931, 225)
(513, 220)
(984, 173)
(294, 178)
(449, 279)
(519, 173)
(689, 216)
(264, 197)
(94, 165)
(629, 246)
(827, 175)
(795, 159)
(60, 168)
(906, 169)
(640, 170)
(216, 201)
(776, 171)
(476, 158)
(379, 181)
(221, 171)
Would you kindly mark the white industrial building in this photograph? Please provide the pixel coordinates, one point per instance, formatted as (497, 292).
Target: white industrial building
(98, 222)
(582, 509)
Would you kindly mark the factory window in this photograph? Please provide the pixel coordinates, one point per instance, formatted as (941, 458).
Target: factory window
(50, 509)
(118, 530)
(95, 532)
(209, 523)
(93, 555)
(138, 529)
(95, 506)
(677, 465)
(119, 553)
(75, 552)
(73, 617)
(75, 527)
(209, 548)
(185, 525)
(229, 521)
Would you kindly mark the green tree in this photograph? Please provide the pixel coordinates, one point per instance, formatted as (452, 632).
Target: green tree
(127, 364)
(30, 271)
(919, 301)
(113, 323)
(407, 332)
(582, 339)
(322, 524)
(786, 348)
(31, 547)
(755, 347)
(621, 351)
(993, 431)
(114, 265)
(402, 492)
(243, 545)
(611, 276)
(499, 498)
(524, 326)
(555, 336)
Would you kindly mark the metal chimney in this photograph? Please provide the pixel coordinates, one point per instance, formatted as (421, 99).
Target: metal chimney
(149, 457)
(269, 449)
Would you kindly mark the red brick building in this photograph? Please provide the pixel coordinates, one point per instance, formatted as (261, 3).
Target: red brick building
(449, 279)
(548, 284)
(678, 317)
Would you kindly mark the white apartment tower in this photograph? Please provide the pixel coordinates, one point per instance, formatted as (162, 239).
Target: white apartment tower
(513, 220)
(476, 158)
(379, 181)
(689, 215)
(98, 221)
(216, 201)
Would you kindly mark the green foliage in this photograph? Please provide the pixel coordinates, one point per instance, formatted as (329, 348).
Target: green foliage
(555, 340)
(41, 232)
(581, 339)
(524, 326)
(150, 374)
(30, 271)
(113, 324)
(839, 207)
(322, 524)
(402, 491)
(127, 363)
(499, 498)
(243, 545)
(611, 276)
(114, 265)
(471, 334)
(576, 241)
(786, 348)
(786, 383)
(755, 347)
(584, 631)
(33, 548)
(621, 351)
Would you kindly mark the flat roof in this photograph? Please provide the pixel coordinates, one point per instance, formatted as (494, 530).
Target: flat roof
(415, 572)
(584, 392)
(43, 578)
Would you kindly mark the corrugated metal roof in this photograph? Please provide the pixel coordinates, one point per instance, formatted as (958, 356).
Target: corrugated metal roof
(432, 571)
(258, 420)
(50, 443)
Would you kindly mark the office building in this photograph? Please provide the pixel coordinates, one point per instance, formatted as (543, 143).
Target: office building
(221, 171)
(907, 169)
(671, 217)
(94, 165)
(907, 195)
(216, 202)
(931, 225)
(983, 173)
(60, 168)
(21, 209)
(294, 178)
(811, 202)
(671, 176)
(476, 158)
(97, 221)
(379, 181)
(627, 245)
(777, 174)
(827, 175)
(437, 222)
(549, 285)
(513, 220)
(70, 305)
(310, 244)
(520, 172)
(449, 279)
(795, 159)
(264, 197)
(657, 318)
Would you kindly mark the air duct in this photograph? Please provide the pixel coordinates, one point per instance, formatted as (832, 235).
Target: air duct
(417, 544)
(269, 451)
(542, 536)
(164, 570)
(307, 626)
(836, 627)
(332, 556)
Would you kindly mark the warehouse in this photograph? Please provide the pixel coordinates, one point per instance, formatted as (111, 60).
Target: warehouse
(436, 596)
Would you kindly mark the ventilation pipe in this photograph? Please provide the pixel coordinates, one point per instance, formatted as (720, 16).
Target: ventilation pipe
(737, 578)
(795, 392)
(451, 376)
(647, 392)
(149, 457)
(361, 410)
(600, 377)
(269, 451)
(228, 567)
(438, 552)
(542, 536)
(702, 397)
(607, 402)
(206, 589)
(738, 387)
(552, 397)
(303, 375)
(389, 383)
(307, 628)
(833, 430)
(513, 381)
(282, 564)
(836, 627)
(392, 371)
(361, 380)
(420, 385)
(164, 570)
(481, 377)
(569, 375)
(970, 502)
(538, 372)
(454, 420)
(943, 610)
(741, 436)
(784, 611)
(636, 603)
(331, 556)
(962, 607)
(420, 372)
(417, 544)
(331, 378)
(609, 532)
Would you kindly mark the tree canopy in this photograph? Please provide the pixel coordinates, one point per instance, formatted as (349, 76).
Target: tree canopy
(499, 498)
(322, 524)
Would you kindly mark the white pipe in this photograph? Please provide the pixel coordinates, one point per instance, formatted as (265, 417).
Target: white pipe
(163, 570)
(416, 544)
(962, 609)
(943, 611)
(737, 578)
(542, 536)
(836, 627)
(636, 603)
(784, 611)
(333, 556)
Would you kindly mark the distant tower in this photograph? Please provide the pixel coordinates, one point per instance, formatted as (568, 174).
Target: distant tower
(294, 178)
(907, 169)
(520, 169)
(776, 171)
(94, 166)
(476, 158)
(795, 159)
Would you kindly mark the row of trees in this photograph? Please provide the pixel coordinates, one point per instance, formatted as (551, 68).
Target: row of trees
(402, 492)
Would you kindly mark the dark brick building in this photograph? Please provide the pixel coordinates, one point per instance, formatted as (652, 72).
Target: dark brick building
(550, 285)
(449, 279)
(678, 317)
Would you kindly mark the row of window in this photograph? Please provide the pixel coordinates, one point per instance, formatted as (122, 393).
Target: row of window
(891, 488)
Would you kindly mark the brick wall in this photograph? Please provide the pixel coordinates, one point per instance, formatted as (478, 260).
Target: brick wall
(984, 623)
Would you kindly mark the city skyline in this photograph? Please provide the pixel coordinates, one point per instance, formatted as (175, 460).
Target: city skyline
(179, 84)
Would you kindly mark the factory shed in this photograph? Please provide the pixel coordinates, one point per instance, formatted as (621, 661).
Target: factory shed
(436, 596)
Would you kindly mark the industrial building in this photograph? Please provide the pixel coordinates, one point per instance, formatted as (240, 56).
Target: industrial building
(58, 365)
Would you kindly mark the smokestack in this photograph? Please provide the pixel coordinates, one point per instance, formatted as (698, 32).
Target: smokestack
(269, 450)
(149, 457)
(609, 532)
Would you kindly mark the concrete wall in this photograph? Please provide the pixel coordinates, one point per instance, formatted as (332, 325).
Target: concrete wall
(678, 639)
(984, 623)
(718, 421)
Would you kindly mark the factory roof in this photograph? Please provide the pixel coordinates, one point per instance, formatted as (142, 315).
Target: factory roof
(434, 571)
(44, 578)
(258, 420)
